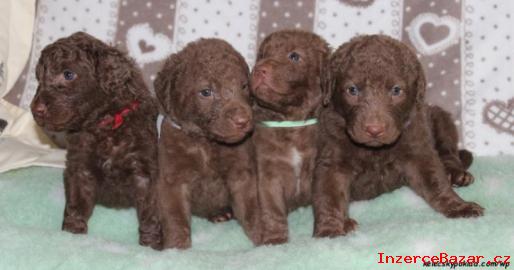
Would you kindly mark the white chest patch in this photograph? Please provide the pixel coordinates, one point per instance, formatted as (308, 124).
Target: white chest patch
(296, 163)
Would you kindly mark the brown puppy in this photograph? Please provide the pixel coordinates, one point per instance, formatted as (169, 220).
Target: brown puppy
(97, 96)
(205, 164)
(376, 135)
(286, 86)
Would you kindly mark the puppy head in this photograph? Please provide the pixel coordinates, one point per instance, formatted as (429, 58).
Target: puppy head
(204, 88)
(377, 82)
(288, 70)
(79, 78)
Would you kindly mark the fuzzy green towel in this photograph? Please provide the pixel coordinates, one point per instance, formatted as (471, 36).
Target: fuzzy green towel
(398, 223)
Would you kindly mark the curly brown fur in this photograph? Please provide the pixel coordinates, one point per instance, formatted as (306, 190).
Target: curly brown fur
(286, 86)
(206, 165)
(83, 83)
(376, 136)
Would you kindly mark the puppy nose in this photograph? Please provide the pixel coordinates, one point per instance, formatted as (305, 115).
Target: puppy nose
(240, 121)
(262, 71)
(375, 130)
(39, 109)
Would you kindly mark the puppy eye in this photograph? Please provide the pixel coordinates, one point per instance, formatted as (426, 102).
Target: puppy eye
(353, 90)
(245, 86)
(206, 92)
(68, 75)
(396, 91)
(294, 56)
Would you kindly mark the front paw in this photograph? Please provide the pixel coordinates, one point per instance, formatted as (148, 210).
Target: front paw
(184, 244)
(333, 228)
(151, 239)
(274, 238)
(74, 225)
(465, 210)
(275, 231)
(178, 242)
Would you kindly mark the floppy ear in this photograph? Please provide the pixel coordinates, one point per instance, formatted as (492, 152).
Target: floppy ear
(164, 83)
(414, 67)
(114, 71)
(113, 68)
(338, 61)
(420, 83)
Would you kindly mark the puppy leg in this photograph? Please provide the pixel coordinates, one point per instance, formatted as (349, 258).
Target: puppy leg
(274, 210)
(80, 188)
(149, 227)
(246, 205)
(331, 200)
(426, 177)
(175, 214)
(446, 139)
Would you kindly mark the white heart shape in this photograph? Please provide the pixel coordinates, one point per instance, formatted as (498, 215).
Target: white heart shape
(162, 45)
(414, 31)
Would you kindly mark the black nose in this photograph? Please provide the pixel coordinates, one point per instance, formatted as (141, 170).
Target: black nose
(375, 130)
(39, 109)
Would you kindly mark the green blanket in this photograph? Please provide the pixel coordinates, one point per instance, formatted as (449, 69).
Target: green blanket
(398, 223)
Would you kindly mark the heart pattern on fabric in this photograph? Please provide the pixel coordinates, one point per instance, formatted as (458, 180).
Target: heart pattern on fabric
(431, 34)
(500, 115)
(145, 46)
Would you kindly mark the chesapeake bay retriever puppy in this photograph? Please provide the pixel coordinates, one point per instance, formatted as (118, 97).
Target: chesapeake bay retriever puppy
(286, 87)
(376, 135)
(96, 95)
(206, 165)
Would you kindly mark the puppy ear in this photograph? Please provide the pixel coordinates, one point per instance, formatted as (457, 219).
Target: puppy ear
(338, 61)
(414, 67)
(114, 70)
(420, 83)
(164, 83)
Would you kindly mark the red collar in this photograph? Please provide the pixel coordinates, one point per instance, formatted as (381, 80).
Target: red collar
(117, 120)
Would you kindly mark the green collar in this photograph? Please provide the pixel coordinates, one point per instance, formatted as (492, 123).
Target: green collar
(288, 124)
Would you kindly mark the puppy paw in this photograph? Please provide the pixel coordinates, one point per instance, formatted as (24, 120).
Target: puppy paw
(460, 178)
(274, 238)
(465, 210)
(74, 225)
(150, 239)
(350, 225)
(334, 228)
(225, 214)
(178, 243)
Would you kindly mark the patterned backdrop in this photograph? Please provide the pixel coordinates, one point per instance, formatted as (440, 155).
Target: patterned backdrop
(465, 45)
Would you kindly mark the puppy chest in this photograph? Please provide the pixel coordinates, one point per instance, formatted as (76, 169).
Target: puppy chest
(208, 195)
(374, 181)
(287, 157)
(291, 168)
